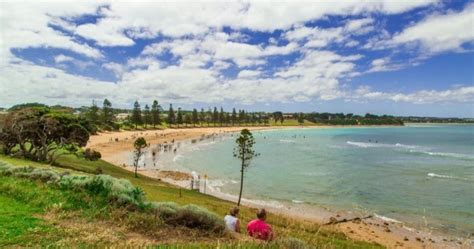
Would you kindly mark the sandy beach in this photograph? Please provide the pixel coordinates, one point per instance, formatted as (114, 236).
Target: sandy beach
(390, 233)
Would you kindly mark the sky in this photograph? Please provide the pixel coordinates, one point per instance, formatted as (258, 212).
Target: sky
(383, 57)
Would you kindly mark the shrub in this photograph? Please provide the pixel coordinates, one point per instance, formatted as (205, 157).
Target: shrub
(120, 191)
(92, 155)
(44, 175)
(165, 210)
(193, 216)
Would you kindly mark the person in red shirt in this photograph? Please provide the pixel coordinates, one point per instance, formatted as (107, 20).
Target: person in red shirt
(258, 228)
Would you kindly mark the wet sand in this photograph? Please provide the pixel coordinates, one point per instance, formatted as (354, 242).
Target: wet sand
(392, 234)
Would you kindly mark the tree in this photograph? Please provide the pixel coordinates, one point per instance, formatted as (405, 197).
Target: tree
(139, 145)
(202, 116)
(147, 116)
(215, 116)
(136, 114)
(40, 134)
(171, 116)
(221, 117)
(180, 117)
(195, 117)
(93, 114)
(244, 151)
(234, 117)
(107, 113)
(209, 116)
(155, 114)
(301, 118)
(188, 119)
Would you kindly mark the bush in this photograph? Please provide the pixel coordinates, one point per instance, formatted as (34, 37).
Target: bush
(165, 210)
(92, 155)
(120, 191)
(193, 216)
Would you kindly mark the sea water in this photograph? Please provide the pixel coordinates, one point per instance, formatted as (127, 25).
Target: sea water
(420, 174)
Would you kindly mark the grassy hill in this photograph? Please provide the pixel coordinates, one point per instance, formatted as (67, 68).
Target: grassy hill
(30, 215)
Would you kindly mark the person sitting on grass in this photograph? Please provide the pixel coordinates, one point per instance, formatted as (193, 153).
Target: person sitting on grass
(232, 221)
(258, 228)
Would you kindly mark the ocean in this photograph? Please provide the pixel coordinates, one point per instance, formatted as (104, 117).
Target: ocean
(421, 174)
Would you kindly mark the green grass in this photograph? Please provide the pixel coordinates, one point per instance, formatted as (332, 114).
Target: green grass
(158, 191)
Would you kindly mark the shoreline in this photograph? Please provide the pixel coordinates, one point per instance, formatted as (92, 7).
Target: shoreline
(377, 229)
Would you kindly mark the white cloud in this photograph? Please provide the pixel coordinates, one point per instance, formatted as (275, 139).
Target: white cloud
(25, 25)
(317, 37)
(436, 33)
(177, 19)
(192, 34)
(62, 58)
(383, 65)
(104, 37)
(462, 94)
(34, 83)
(249, 74)
(117, 69)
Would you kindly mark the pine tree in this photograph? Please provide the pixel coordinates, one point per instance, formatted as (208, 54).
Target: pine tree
(215, 116)
(147, 116)
(107, 114)
(209, 116)
(245, 152)
(221, 117)
(136, 114)
(195, 117)
(188, 118)
(171, 116)
(180, 117)
(234, 116)
(202, 116)
(93, 114)
(155, 114)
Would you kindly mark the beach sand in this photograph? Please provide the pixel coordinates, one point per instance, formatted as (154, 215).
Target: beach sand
(390, 233)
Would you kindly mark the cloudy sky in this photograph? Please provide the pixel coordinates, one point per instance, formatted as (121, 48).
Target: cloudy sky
(395, 57)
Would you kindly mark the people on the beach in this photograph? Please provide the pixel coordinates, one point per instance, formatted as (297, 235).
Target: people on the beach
(258, 228)
(232, 221)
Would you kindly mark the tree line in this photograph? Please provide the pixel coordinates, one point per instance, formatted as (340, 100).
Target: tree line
(179, 117)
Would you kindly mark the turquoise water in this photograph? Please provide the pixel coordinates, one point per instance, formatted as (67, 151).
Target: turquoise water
(420, 174)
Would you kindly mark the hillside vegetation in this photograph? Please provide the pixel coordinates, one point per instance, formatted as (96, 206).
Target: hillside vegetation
(43, 205)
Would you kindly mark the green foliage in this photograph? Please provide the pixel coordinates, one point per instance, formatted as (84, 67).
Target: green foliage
(193, 216)
(155, 114)
(136, 117)
(39, 133)
(244, 151)
(166, 210)
(118, 191)
(92, 155)
(171, 116)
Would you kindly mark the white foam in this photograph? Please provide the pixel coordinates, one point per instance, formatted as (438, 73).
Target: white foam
(367, 145)
(406, 146)
(384, 218)
(287, 141)
(445, 154)
(297, 201)
(215, 187)
(446, 176)
(177, 157)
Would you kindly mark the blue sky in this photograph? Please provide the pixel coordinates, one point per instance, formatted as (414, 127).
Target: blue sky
(384, 57)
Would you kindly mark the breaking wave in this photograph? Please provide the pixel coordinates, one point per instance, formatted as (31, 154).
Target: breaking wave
(413, 149)
(433, 175)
